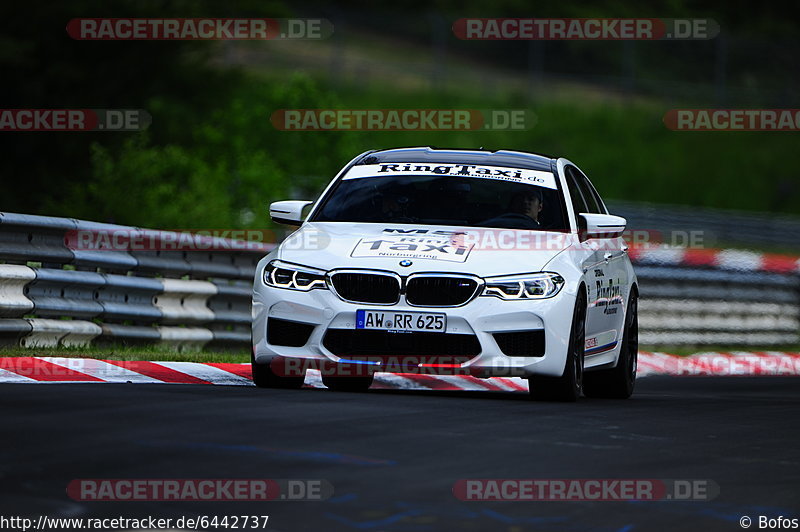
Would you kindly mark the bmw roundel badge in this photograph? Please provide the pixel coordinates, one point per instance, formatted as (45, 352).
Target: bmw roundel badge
(406, 263)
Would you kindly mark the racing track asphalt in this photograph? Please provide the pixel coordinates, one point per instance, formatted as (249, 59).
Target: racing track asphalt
(393, 456)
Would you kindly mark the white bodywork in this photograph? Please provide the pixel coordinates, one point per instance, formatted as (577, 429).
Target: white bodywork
(598, 265)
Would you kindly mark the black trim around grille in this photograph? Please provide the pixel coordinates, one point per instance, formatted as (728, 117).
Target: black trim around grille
(362, 344)
(521, 344)
(439, 291)
(366, 287)
(288, 333)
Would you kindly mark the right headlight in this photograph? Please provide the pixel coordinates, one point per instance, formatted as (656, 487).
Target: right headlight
(281, 274)
(523, 286)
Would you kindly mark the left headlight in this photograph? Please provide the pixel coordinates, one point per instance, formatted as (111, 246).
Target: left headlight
(293, 276)
(524, 286)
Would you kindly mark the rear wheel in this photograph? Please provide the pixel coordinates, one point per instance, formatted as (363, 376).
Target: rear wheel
(618, 382)
(264, 377)
(567, 387)
(348, 384)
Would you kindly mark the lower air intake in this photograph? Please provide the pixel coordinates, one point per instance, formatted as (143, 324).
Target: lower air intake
(288, 333)
(521, 344)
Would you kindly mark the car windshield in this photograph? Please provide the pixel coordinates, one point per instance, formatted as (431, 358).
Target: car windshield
(444, 200)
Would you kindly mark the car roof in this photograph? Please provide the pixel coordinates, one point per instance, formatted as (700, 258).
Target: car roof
(507, 158)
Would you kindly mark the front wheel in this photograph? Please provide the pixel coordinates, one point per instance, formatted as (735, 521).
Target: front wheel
(566, 388)
(618, 382)
(265, 377)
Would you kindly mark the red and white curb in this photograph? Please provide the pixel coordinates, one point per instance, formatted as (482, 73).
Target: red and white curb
(744, 363)
(731, 259)
(85, 370)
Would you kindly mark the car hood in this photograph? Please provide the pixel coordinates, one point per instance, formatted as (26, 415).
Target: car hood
(384, 246)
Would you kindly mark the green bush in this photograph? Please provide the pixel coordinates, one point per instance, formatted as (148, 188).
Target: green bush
(220, 168)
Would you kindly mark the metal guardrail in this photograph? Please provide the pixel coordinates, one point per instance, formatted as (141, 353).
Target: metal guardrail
(717, 226)
(53, 293)
(715, 306)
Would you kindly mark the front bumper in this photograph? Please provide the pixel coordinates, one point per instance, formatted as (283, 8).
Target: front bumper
(481, 317)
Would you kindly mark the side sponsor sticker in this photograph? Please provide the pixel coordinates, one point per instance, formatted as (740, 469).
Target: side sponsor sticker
(604, 341)
(609, 295)
(502, 173)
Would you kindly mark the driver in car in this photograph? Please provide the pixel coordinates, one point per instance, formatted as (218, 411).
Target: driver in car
(524, 209)
(393, 203)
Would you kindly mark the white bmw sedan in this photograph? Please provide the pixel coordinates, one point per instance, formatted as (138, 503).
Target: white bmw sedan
(420, 260)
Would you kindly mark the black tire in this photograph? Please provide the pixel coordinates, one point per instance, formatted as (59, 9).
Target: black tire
(264, 377)
(619, 382)
(566, 388)
(348, 384)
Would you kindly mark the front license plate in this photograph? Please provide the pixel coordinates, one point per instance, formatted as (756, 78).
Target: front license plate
(401, 321)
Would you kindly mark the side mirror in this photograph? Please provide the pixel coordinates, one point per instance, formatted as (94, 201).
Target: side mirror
(288, 212)
(602, 225)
